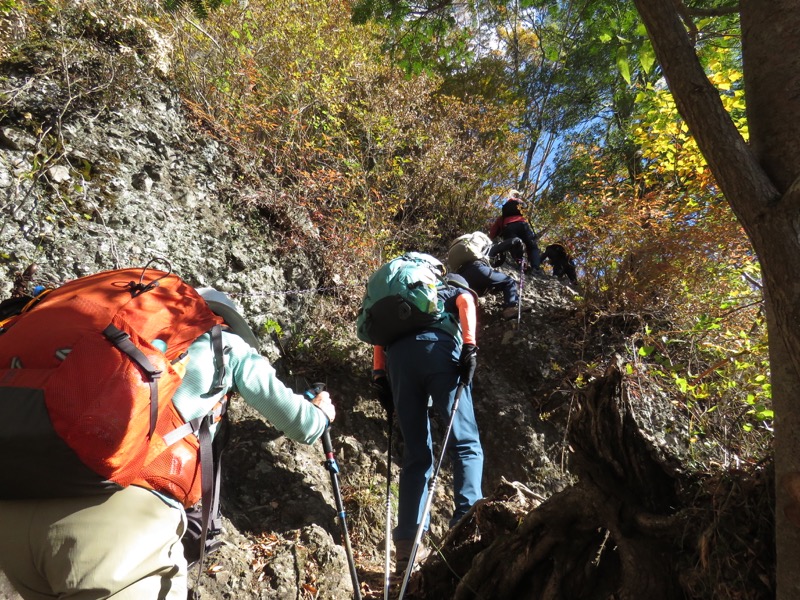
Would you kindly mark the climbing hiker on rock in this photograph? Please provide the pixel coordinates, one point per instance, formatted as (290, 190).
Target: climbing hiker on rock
(71, 532)
(431, 361)
(512, 223)
(562, 263)
(469, 257)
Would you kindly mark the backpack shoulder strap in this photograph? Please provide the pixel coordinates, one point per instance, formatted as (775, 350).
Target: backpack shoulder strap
(211, 466)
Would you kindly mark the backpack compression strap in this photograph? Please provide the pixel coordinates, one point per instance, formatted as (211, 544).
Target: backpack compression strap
(122, 341)
(219, 359)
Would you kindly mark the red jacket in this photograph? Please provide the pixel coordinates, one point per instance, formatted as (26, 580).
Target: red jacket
(501, 222)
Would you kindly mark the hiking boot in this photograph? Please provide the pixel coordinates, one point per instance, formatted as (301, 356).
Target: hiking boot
(402, 552)
(510, 312)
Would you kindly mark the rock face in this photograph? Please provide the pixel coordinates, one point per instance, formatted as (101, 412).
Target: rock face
(120, 189)
(92, 180)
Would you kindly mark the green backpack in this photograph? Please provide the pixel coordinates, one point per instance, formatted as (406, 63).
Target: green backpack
(402, 297)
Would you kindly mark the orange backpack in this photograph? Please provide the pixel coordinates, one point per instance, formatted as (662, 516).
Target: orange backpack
(87, 376)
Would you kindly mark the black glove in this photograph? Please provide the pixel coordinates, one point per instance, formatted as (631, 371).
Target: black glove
(467, 363)
(384, 393)
(517, 248)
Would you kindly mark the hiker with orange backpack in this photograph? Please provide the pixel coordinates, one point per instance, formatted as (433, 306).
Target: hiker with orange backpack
(92, 503)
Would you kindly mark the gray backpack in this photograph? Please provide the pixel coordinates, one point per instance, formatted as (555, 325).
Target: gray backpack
(467, 248)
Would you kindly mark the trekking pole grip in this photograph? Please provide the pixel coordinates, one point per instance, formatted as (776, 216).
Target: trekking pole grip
(327, 445)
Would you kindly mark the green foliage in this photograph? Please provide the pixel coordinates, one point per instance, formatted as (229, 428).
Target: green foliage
(273, 327)
(421, 36)
(200, 8)
(676, 257)
(718, 373)
(654, 238)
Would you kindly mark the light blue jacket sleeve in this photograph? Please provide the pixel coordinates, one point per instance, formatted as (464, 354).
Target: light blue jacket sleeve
(254, 378)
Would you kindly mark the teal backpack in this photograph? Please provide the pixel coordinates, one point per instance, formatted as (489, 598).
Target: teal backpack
(402, 297)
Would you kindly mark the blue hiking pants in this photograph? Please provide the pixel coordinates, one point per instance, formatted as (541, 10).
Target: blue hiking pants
(422, 366)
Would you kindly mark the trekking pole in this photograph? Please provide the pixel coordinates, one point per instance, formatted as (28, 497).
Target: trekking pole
(333, 469)
(388, 549)
(431, 488)
(519, 292)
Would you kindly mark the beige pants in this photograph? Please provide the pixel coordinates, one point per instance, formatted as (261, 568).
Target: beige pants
(125, 546)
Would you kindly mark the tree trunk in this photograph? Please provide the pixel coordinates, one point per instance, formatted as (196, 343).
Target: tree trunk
(771, 53)
(785, 394)
(761, 184)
